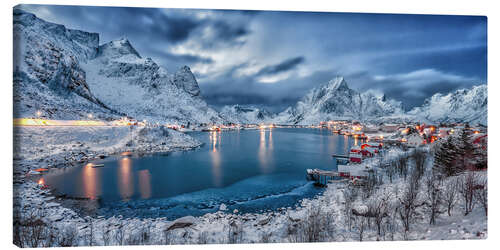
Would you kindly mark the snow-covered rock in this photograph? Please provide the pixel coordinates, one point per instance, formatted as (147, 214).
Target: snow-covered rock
(335, 100)
(185, 79)
(463, 105)
(239, 114)
(47, 70)
(182, 223)
(125, 81)
(65, 74)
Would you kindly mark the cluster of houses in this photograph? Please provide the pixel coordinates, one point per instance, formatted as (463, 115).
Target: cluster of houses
(376, 136)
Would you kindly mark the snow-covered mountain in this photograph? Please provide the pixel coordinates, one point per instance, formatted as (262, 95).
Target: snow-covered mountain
(123, 80)
(463, 105)
(335, 100)
(238, 114)
(65, 74)
(47, 73)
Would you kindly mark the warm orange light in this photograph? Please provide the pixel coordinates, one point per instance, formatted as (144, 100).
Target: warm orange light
(124, 154)
(41, 181)
(43, 122)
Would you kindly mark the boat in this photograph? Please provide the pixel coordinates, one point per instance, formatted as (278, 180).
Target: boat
(98, 166)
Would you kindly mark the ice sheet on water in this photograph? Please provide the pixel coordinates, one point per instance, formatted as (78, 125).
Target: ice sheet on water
(255, 194)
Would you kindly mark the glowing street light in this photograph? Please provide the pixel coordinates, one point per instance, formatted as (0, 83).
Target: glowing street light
(38, 113)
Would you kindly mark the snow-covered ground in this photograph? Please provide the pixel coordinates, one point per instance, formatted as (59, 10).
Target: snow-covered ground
(323, 218)
(51, 146)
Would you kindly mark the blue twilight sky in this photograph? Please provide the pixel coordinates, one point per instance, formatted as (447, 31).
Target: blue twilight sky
(272, 59)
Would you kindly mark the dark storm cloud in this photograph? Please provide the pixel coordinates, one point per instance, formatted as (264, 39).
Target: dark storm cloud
(227, 32)
(407, 57)
(150, 30)
(282, 67)
(184, 58)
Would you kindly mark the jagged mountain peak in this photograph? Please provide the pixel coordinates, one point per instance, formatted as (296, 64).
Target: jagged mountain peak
(335, 100)
(462, 105)
(338, 83)
(118, 48)
(185, 79)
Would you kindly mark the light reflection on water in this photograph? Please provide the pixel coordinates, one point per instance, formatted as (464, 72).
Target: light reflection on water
(90, 181)
(215, 139)
(125, 181)
(232, 165)
(145, 184)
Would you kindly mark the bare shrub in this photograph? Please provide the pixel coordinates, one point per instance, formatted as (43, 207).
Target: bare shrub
(481, 193)
(106, 235)
(316, 227)
(349, 198)
(467, 187)
(450, 194)
(68, 237)
(409, 202)
(265, 237)
(434, 197)
(90, 234)
(120, 234)
(30, 230)
(203, 238)
(361, 224)
(145, 233)
(378, 208)
(390, 170)
(235, 233)
(167, 236)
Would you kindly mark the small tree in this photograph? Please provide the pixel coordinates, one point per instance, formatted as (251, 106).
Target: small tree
(409, 202)
(445, 158)
(379, 208)
(390, 170)
(465, 150)
(467, 186)
(434, 197)
(450, 194)
(481, 194)
(419, 157)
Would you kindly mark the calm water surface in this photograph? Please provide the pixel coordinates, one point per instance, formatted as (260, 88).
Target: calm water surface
(248, 170)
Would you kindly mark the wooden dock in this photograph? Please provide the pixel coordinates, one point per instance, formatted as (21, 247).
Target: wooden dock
(340, 156)
(321, 177)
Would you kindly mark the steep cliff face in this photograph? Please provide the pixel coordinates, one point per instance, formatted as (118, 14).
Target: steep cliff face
(184, 79)
(139, 87)
(335, 100)
(47, 72)
(463, 105)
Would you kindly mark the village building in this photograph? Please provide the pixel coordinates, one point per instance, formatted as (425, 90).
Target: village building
(414, 140)
(388, 127)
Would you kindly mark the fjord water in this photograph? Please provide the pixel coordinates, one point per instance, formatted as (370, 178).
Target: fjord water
(248, 170)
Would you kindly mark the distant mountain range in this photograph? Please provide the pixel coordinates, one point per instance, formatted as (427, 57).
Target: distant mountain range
(239, 114)
(67, 74)
(335, 100)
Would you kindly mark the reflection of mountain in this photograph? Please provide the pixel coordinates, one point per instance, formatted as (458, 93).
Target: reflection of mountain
(65, 74)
